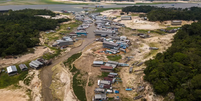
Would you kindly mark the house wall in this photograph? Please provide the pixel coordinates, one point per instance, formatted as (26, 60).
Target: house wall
(65, 43)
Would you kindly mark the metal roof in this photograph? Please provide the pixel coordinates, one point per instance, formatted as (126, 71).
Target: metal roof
(11, 69)
(66, 38)
(110, 43)
(113, 73)
(106, 67)
(38, 62)
(111, 65)
(98, 62)
(105, 82)
(125, 16)
(104, 31)
(22, 66)
(100, 96)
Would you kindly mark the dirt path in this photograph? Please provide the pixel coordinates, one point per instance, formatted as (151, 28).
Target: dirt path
(46, 72)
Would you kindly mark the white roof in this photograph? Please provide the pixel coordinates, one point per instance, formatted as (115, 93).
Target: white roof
(104, 82)
(112, 65)
(98, 62)
(100, 96)
(11, 69)
(38, 62)
(114, 73)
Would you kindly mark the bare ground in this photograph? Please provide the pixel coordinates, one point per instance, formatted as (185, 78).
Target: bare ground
(13, 95)
(39, 51)
(141, 53)
(61, 83)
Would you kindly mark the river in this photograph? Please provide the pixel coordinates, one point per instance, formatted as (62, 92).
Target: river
(58, 7)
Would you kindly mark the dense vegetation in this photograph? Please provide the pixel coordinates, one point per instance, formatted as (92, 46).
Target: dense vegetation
(19, 30)
(162, 14)
(178, 70)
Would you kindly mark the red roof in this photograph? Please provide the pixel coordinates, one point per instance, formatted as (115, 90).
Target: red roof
(108, 79)
(111, 76)
(106, 67)
(106, 86)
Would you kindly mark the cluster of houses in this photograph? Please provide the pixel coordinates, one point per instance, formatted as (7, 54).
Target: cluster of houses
(81, 30)
(12, 70)
(105, 87)
(64, 42)
(108, 31)
(115, 44)
(38, 63)
(108, 66)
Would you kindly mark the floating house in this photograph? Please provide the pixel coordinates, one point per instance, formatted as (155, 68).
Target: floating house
(176, 22)
(110, 45)
(106, 68)
(98, 63)
(105, 32)
(64, 42)
(11, 70)
(81, 32)
(126, 18)
(23, 67)
(100, 97)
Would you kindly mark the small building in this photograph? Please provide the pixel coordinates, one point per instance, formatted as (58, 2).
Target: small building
(99, 21)
(100, 97)
(109, 45)
(115, 37)
(98, 63)
(105, 86)
(38, 62)
(129, 89)
(35, 64)
(176, 22)
(122, 38)
(99, 90)
(111, 65)
(106, 32)
(99, 6)
(99, 18)
(123, 65)
(64, 42)
(111, 76)
(81, 32)
(130, 69)
(153, 48)
(106, 68)
(111, 73)
(126, 18)
(105, 82)
(23, 67)
(11, 70)
(112, 80)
